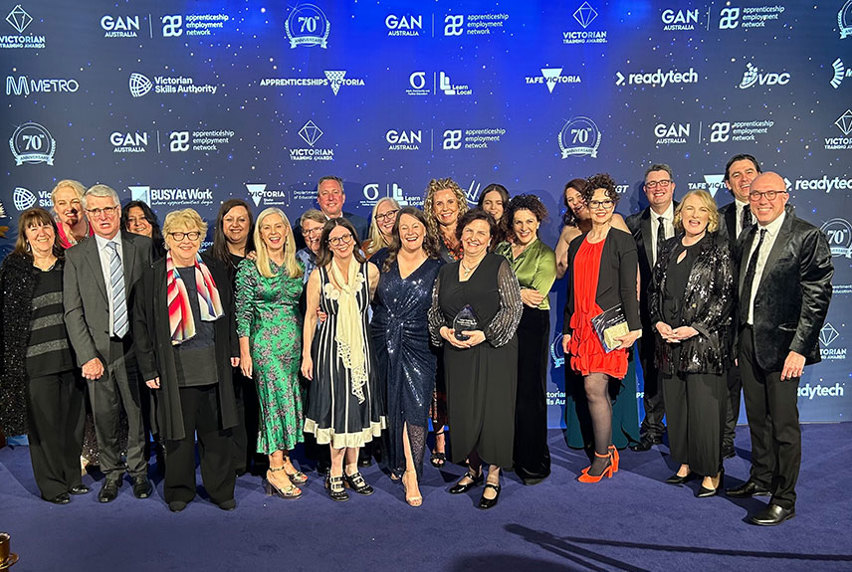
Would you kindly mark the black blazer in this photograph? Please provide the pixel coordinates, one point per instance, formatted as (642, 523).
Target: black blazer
(791, 301)
(155, 353)
(616, 281)
(640, 227)
(727, 232)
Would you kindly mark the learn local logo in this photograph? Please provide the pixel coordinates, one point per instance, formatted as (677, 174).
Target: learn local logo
(32, 143)
(190, 197)
(374, 192)
(844, 20)
(129, 141)
(753, 76)
(838, 232)
(307, 26)
(25, 85)
(404, 139)
(584, 15)
(551, 77)
(841, 72)
(844, 124)
(448, 87)
(140, 85)
(335, 79)
(657, 78)
(20, 20)
(679, 20)
(310, 133)
(579, 137)
(406, 25)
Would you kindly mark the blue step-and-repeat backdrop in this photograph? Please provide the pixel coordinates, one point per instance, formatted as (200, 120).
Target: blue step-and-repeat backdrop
(188, 103)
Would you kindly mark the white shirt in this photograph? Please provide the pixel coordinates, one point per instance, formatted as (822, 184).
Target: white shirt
(772, 230)
(105, 253)
(738, 218)
(668, 224)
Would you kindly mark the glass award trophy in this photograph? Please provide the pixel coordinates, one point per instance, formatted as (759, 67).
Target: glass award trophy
(464, 320)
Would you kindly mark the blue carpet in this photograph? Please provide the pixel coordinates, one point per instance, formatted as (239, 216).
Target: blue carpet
(631, 522)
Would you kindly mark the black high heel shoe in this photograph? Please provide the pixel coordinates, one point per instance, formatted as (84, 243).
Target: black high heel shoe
(476, 480)
(357, 483)
(704, 492)
(485, 503)
(336, 490)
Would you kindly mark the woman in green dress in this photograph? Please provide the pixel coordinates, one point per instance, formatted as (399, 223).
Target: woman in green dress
(270, 332)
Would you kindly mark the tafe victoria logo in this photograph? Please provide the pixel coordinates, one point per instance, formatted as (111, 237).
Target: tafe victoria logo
(551, 77)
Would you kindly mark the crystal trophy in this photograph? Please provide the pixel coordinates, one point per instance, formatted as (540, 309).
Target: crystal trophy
(465, 320)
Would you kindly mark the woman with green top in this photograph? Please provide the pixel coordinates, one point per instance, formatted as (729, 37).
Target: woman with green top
(270, 329)
(534, 263)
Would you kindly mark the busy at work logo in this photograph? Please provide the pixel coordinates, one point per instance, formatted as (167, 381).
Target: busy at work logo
(189, 197)
(25, 85)
(679, 20)
(844, 20)
(840, 73)
(584, 15)
(310, 133)
(121, 26)
(32, 143)
(307, 26)
(19, 19)
(551, 77)
(129, 141)
(405, 25)
(838, 232)
(579, 137)
(753, 76)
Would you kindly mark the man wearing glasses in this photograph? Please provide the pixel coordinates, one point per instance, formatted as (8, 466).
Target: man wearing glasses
(98, 284)
(650, 228)
(785, 275)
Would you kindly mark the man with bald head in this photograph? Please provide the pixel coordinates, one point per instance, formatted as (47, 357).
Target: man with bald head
(785, 275)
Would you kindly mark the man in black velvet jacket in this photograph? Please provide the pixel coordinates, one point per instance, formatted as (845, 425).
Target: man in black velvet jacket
(785, 275)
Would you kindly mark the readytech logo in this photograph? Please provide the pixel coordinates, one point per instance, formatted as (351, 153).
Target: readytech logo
(809, 391)
(658, 78)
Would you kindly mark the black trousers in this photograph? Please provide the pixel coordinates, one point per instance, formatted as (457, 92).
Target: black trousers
(773, 421)
(696, 406)
(56, 418)
(199, 406)
(652, 400)
(119, 388)
(531, 455)
(248, 421)
(735, 386)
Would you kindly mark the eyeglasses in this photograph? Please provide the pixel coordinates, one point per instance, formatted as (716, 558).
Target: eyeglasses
(311, 231)
(345, 239)
(386, 216)
(109, 211)
(755, 196)
(605, 204)
(664, 184)
(178, 236)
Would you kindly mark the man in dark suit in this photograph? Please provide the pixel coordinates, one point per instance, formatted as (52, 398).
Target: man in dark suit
(331, 198)
(733, 219)
(785, 289)
(99, 277)
(650, 228)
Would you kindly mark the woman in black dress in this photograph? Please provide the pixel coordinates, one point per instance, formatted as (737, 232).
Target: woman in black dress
(405, 363)
(691, 303)
(480, 364)
(40, 393)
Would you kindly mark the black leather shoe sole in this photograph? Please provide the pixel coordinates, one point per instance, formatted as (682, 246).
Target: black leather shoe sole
(770, 517)
(61, 498)
(747, 490)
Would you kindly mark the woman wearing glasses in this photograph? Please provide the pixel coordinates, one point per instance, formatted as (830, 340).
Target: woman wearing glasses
(183, 327)
(268, 326)
(384, 216)
(603, 265)
(344, 408)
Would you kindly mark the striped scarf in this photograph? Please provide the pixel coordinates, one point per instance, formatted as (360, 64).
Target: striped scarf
(181, 322)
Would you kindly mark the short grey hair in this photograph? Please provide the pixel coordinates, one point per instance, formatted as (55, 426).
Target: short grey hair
(314, 215)
(659, 167)
(100, 191)
(330, 178)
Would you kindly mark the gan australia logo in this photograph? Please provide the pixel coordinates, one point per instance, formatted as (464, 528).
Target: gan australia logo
(19, 19)
(129, 141)
(140, 85)
(551, 77)
(310, 133)
(404, 26)
(679, 20)
(753, 76)
(307, 26)
(121, 26)
(32, 143)
(404, 140)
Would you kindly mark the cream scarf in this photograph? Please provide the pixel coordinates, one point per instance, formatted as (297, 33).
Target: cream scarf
(349, 335)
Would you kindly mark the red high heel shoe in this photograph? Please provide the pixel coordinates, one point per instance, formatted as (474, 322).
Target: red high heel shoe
(585, 477)
(614, 456)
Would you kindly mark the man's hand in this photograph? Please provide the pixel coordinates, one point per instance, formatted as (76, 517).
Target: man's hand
(93, 369)
(794, 365)
(153, 383)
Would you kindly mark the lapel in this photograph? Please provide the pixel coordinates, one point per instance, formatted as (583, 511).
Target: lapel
(94, 259)
(129, 253)
(731, 222)
(744, 255)
(647, 236)
(780, 242)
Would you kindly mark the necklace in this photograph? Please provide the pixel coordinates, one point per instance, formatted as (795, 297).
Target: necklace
(467, 271)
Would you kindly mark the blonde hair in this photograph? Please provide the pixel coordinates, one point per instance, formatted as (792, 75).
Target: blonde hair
(78, 187)
(186, 218)
(375, 236)
(294, 270)
(706, 201)
(436, 185)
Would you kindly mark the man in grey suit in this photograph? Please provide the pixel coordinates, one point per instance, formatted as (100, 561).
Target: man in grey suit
(99, 277)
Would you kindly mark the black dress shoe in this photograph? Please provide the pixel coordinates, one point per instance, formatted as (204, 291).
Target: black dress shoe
(61, 498)
(109, 491)
(485, 503)
(177, 506)
(142, 488)
(704, 492)
(645, 444)
(459, 488)
(229, 504)
(79, 490)
(747, 490)
(677, 480)
(772, 515)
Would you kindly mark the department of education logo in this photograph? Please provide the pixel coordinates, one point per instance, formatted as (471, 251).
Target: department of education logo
(23, 198)
(307, 26)
(838, 232)
(753, 76)
(844, 20)
(579, 137)
(32, 143)
(139, 84)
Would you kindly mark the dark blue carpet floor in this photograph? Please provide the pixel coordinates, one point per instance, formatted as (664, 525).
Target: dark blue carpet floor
(631, 522)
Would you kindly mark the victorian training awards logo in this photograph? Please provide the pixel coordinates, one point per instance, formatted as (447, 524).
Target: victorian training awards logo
(838, 232)
(307, 26)
(579, 137)
(844, 124)
(828, 334)
(32, 143)
(844, 20)
(584, 15)
(310, 133)
(19, 19)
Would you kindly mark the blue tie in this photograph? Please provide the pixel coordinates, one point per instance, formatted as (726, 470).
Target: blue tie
(116, 283)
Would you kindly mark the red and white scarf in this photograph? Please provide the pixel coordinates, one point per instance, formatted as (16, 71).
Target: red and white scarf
(181, 322)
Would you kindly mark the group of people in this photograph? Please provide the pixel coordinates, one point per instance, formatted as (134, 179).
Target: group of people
(341, 332)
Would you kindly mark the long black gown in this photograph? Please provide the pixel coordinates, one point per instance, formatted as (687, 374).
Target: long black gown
(404, 362)
(482, 380)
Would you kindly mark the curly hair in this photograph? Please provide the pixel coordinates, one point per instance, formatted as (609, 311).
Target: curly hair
(436, 185)
(600, 181)
(472, 215)
(524, 202)
(430, 241)
(706, 201)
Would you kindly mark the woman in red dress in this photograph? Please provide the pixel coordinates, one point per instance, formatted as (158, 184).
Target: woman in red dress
(603, 265)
